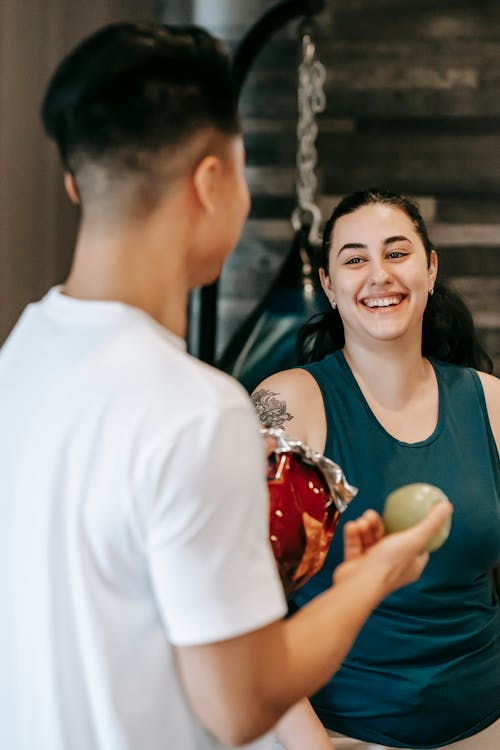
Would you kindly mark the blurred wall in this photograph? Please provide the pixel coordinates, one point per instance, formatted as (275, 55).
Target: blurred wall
(37, 223)
(413, 104)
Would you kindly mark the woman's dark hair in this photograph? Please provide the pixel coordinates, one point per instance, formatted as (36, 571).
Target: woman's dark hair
(448, 331)
(134, 88)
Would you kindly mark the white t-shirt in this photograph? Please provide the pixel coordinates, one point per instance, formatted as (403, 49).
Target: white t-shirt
(133, 516)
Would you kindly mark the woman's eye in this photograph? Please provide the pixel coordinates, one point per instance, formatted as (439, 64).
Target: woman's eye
(397, 254)
(353, 261)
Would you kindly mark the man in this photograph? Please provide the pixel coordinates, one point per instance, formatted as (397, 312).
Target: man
(140, 602)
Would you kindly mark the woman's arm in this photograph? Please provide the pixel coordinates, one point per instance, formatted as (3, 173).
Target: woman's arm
(291, 399)
(300, 728)
(491, 388)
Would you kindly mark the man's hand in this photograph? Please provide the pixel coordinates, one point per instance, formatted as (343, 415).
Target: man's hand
(239, 688)
(398, 558)
(361, 534)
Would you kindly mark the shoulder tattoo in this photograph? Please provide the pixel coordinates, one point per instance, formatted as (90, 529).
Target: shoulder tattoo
(270, 410)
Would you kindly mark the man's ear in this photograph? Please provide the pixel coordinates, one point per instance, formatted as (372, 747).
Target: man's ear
(71, 188)
(206, 181)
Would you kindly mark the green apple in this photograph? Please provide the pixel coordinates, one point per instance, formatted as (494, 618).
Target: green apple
(410, 503)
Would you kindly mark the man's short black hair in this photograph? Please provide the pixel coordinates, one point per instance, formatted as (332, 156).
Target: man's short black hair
(131, 89)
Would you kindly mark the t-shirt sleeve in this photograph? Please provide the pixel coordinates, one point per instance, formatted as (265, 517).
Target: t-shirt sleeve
(211, 562)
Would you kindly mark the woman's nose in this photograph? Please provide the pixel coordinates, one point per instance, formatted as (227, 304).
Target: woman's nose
(379, 273)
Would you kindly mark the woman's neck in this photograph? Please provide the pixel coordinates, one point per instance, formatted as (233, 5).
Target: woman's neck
(391, 372)
(400, 387)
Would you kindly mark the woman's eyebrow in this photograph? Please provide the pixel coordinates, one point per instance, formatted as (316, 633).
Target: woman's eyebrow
(397, 238)
(352, 246)
(361, 246)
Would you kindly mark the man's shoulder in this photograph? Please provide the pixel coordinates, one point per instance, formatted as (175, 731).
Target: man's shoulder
(204, 390)
(176, 379)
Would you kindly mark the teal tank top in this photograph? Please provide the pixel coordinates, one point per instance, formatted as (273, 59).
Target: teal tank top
(425, 669)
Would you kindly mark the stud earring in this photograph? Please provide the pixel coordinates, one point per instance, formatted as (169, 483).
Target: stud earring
(333, 304)
(431, 291)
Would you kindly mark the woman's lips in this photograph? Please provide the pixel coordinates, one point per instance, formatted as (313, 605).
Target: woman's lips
(382, 303)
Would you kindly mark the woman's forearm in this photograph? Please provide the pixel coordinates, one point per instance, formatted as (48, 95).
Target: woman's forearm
(300, 728)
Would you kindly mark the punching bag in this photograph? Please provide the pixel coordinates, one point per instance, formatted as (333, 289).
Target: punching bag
(266, 342)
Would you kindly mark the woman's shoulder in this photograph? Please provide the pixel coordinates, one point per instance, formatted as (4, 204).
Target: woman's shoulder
(467, 377)
(490, 383)
(297, 380)
(491, 390)
(291, 399)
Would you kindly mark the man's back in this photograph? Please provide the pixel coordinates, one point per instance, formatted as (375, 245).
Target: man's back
(111, 444)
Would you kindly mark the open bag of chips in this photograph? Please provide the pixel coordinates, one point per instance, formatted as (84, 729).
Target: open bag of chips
(307, 494)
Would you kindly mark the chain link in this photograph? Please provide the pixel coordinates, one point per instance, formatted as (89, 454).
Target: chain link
(311, 101)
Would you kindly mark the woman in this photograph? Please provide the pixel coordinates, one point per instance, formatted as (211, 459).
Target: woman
(392, 392)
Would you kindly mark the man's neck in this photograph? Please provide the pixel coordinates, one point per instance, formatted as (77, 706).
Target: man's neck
(131, 264)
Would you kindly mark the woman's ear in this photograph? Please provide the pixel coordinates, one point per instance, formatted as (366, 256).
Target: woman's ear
(433, 268)
(206, 181)
(71, 188)
(326, 284)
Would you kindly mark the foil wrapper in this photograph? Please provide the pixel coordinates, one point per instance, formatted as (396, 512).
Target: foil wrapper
(307, 494)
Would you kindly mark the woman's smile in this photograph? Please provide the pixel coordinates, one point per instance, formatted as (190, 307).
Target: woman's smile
(379, 275)
(386, 303)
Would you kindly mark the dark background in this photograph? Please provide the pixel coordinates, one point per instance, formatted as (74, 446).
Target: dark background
(413, 104)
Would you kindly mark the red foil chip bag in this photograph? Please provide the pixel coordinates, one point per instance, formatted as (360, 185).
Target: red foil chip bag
(307, 494)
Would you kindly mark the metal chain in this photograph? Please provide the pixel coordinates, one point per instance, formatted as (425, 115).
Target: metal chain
(311, 100)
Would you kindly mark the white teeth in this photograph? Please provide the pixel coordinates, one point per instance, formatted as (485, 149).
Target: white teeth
(382, 302)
